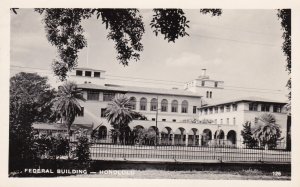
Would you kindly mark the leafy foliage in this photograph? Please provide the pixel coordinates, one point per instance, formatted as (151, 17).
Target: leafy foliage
(266, 131)
(246, 133)
(126, 28)
(82, 150)
(285, 16)
(171, 23)
(30, 97)
(66, 103)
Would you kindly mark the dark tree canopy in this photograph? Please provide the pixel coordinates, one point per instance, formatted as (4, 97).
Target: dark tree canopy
(126, 28)
(285, 16)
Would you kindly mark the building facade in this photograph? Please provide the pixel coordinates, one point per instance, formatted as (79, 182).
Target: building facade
(190, 116)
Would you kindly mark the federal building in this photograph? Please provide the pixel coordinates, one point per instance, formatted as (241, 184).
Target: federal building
(196, 115)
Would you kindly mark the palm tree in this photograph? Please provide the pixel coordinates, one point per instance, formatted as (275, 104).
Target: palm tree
(119, 113)
(66, 104)
(266, 131)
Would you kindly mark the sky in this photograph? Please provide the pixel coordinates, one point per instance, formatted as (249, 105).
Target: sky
(240, 47)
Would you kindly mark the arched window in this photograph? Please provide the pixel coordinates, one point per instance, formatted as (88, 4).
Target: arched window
(133, 103)
(143, 103)
(174, 106)
(210, 94)
(164, 105)
(184, 106)
(207, 94)
(153, 104)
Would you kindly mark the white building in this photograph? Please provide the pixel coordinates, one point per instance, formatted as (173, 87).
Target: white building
(189, 116)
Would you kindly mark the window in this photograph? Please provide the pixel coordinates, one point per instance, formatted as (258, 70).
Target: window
(174, 106)
(174, 120)
(132, 101)
(96, 74)
(205, 111)
(234, 107)
(103, 112)
(227, 121)
(153, 119)
(153, 104)
(78, 73)
(221, 121)
(163, 119)
(108, 96)
(194, 109)
(164, 105)
(207, 94)
(210, 110)
(233, 121)
(202, 83)
(216, 84)
(265, 108)
(81, 113)
(216, 110)
(277, 108)
(222, 109)
(227, 108)
(210, 94)
(88, 73)
(184, 106)
(143, 104)
(93, 95)
(253, 107)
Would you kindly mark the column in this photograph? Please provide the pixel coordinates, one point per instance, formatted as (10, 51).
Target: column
(186, 139)
(173, 139)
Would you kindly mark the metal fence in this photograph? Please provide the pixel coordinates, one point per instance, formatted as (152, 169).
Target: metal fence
(212, 153)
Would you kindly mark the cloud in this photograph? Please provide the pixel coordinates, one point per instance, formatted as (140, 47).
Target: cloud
(186, 59)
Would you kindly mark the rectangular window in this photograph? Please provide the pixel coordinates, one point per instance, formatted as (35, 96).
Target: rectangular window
(174, 120)
(234, 107)
(88, 73)
(253, 107)
(277, 108)
(81, 113)
(222, 109)
(194, 109)
(202, 83)
(216, 84)
(265, 108)
(96, 74)
(210, 110)
(163, 119)
(103, 110)
(93, 95)
(216, 110)
(78, 73)
(108, 96)
(227, 108)
(153, 119)
(174, 109)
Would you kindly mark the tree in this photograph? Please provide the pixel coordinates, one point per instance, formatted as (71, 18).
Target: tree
(266, 131)
(66, 104)
(119, 113)
(30, 97)
(246, 133)
(126, 28)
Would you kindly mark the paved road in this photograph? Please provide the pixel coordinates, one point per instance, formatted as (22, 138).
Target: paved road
(177, 153)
